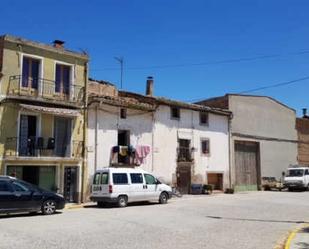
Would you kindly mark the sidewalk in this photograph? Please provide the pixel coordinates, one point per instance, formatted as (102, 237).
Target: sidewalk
(298, 239)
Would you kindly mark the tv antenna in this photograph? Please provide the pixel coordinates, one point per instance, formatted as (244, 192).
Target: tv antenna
(120, 60)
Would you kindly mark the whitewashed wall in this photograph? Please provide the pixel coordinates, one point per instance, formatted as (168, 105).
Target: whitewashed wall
(161, 132)
(167, 132)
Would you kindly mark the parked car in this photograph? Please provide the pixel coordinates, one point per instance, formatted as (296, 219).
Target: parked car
(124, 185)
(297, 178)
(17, 196)
(269, 183)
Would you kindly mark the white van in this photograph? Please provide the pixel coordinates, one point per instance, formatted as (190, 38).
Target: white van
(297, 178)
(124, 185)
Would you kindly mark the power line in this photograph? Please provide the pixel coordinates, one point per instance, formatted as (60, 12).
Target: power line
(275, 85)
(263, 87)
(226, 61)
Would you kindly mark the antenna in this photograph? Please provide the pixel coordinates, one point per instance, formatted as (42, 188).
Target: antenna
(120, 60)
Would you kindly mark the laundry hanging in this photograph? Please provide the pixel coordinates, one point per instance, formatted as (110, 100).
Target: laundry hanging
(141, 152)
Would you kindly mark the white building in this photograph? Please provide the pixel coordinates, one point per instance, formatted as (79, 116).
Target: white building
(182, 143)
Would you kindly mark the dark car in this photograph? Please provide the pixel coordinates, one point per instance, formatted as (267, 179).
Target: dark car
(19, 196)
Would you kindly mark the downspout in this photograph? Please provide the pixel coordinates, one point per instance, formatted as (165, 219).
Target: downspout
(152, 142)
(96, 139)
(85, 111)
(229, 145)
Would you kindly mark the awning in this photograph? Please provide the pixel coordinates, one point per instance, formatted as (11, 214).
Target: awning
(51, 110)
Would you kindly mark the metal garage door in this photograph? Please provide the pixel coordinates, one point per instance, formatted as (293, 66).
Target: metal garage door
(247, 166)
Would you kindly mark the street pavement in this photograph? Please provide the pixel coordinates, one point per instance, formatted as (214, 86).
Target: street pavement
(242, 221)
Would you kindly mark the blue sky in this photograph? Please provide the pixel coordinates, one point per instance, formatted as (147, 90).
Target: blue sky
(168, 38)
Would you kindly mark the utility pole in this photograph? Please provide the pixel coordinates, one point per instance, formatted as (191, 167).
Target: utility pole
(120, 60)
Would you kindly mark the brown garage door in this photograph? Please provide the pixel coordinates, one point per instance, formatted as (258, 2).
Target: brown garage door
(247, 168)
(216, 180)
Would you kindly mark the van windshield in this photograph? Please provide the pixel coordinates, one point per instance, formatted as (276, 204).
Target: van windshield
(295, 172)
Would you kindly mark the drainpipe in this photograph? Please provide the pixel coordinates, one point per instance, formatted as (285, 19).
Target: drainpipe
(96, 139)
(229, 145)
(85, 112)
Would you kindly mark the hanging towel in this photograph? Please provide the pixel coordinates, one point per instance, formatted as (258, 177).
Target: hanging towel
(141, 152)
(123, 150)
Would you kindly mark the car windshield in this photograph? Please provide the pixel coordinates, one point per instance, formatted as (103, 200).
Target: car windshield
(295, 172)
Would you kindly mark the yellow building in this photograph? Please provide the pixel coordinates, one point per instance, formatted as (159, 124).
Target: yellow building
(42, 116)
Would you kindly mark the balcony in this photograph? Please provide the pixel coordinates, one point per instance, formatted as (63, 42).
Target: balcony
(184, 154)
(46, 90)
(39, 147)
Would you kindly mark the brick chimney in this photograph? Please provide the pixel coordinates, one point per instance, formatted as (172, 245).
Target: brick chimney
(305, 113)
(58, 44)
(149, 86)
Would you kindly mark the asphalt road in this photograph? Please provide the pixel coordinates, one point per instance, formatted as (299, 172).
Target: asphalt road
(244, 220)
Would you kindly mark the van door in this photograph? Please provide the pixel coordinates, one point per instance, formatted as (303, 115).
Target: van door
(151, 191)
(306, 176)
(137, 187)
(100, 184)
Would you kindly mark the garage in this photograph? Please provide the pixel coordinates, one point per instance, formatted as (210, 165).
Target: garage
(247, 166)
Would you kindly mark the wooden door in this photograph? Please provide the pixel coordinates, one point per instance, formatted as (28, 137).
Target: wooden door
(184, 180)
(247, 167)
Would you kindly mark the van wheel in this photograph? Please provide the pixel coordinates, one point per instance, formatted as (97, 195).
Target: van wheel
(163, 198)
(122, 201)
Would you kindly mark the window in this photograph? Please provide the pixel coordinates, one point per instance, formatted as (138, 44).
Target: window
(136, 178)
(30, 72)
(5, 187)
(100, 178)
(184, 151)
(205, 146)
(63, 79)
(104, 178)
(203, 118)
(306, 172)
(120, 178)
(175, 113)
(150, 179)
(123, 113)
(20, 187)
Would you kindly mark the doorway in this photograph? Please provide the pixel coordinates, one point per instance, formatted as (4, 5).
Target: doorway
(123, 140)
(215, 179)
(70, 184)
(63, 133)
(27, 135)
(247, 165)
(184, 179)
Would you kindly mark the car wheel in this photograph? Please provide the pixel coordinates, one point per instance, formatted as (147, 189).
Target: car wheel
(290, 189)
(122, 201)
(163, 198)
(49, 207)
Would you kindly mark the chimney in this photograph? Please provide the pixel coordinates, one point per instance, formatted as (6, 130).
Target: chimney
(304, 112)
(58, 44)
(149, 86)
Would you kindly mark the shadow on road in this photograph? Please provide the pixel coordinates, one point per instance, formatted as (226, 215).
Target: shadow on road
(259, 220)
(112, 205)
(23, 215)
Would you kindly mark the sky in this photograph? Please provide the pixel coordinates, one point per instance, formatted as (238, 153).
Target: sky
(194, 49)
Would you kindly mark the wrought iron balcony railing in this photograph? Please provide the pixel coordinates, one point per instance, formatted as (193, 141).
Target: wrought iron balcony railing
(41, 147)
(184, 154)
(45, 89)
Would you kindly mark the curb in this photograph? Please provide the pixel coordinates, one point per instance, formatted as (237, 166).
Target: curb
(292, 235)
(285, 242)
(76, 206)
